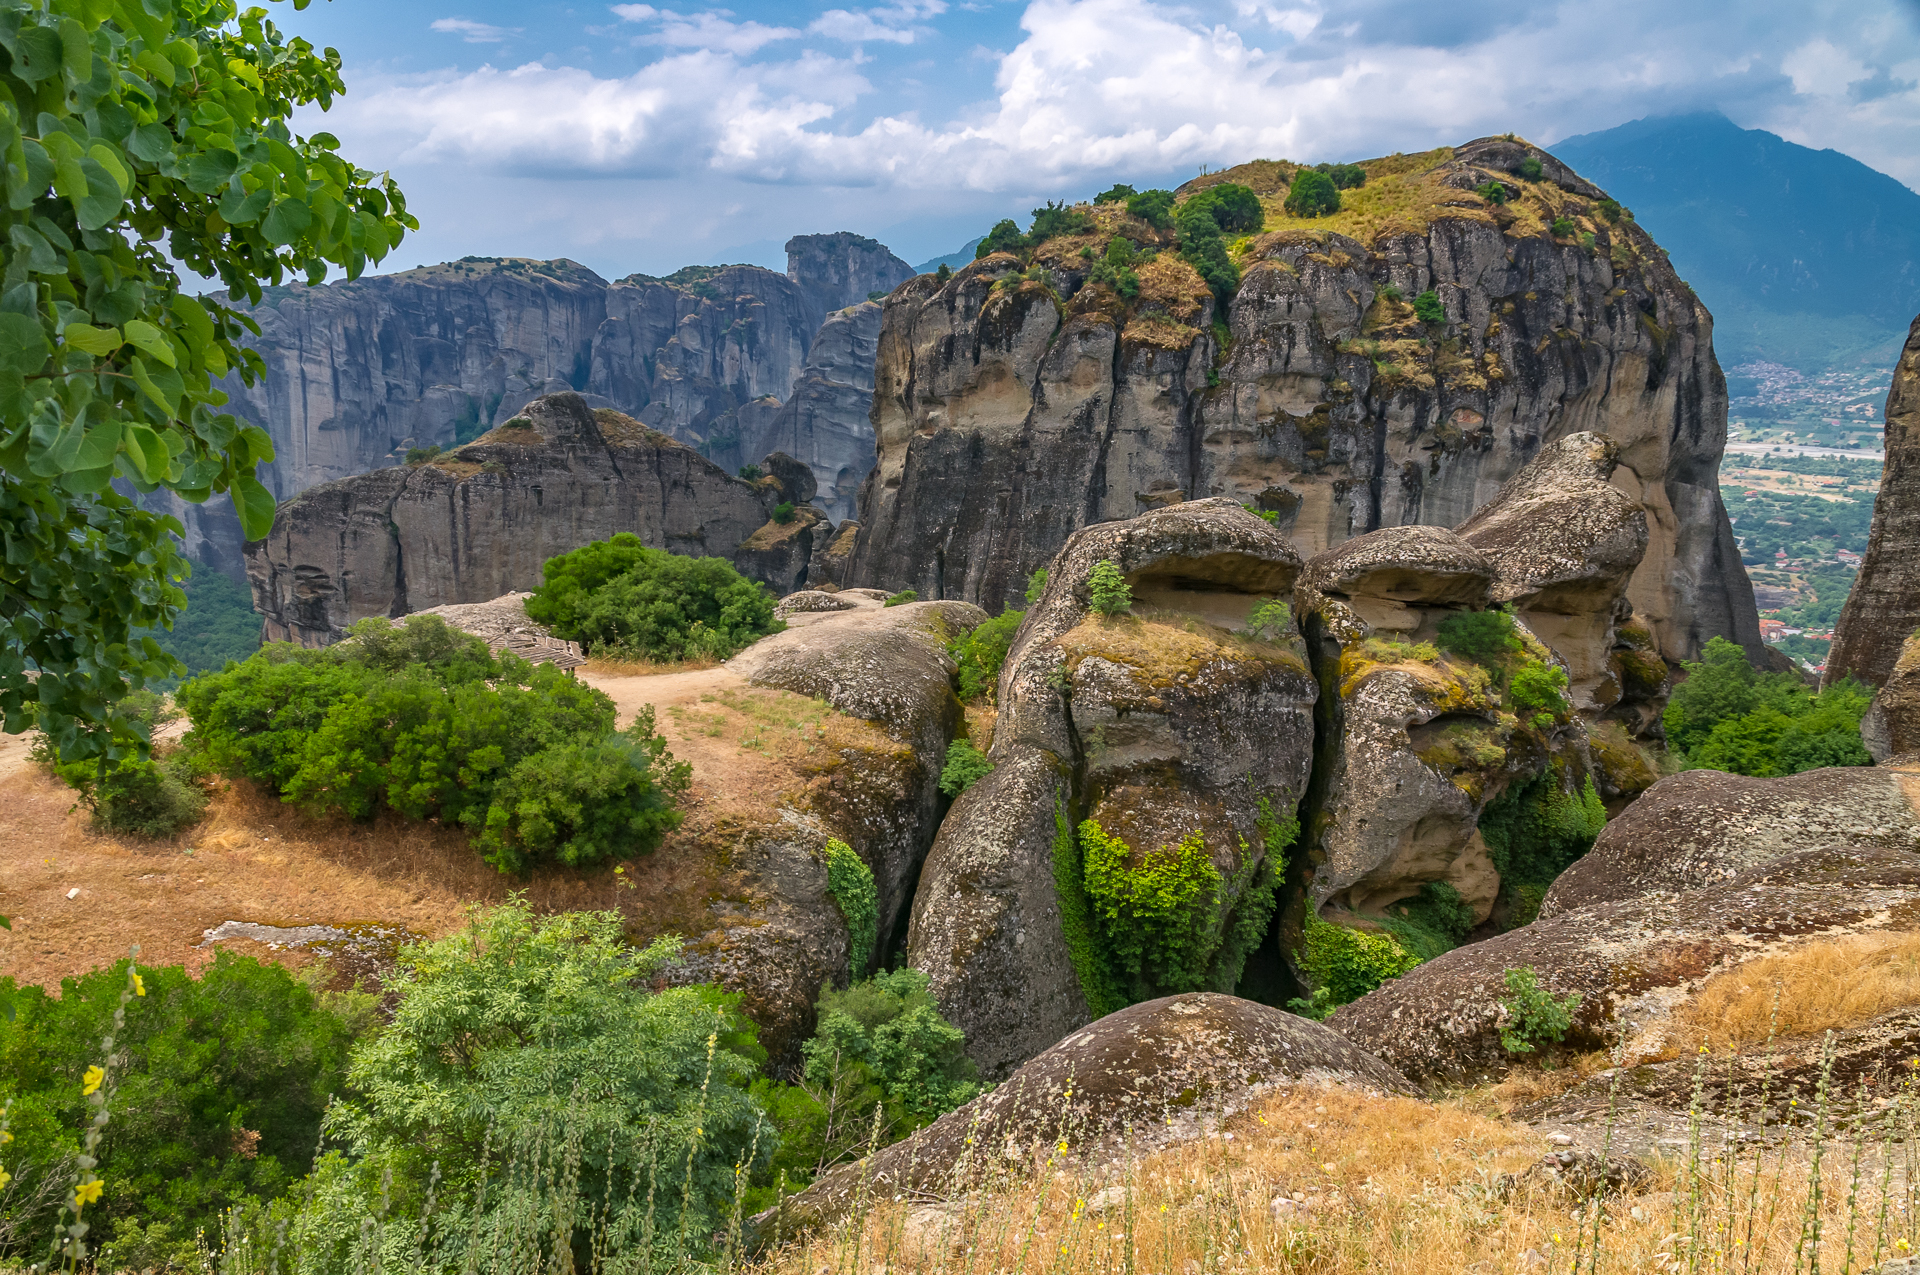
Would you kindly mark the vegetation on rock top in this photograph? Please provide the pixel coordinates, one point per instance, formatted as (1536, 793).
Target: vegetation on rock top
(621, 599)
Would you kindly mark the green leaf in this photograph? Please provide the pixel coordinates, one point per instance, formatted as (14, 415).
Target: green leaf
(143, 377)
(254, 504)
(99, 342)
(23, 344)
(242, 208)
(148, 453)
(209, 170)
(284, 224)
(150, 339)
(150, 142)
(104, 198)
(98, 448)
(37, 53)
(76, 51)
(109, 159)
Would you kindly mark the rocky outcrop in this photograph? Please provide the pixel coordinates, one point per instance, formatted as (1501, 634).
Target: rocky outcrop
(1013, 405)
(481, 521)
(1891, 727)
(824, 421)
(1157, 726)
(1884, 607)
(843, 269)
(1701, 827)
(1418, 740)
(1631, 962)
(1150, 1075)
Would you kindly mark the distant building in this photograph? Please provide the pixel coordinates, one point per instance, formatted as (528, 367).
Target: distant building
(1771, 630)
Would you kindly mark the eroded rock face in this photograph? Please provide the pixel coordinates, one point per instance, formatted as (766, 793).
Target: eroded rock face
(844, 269)
(824, 420)
(1156, 725)
(1891, 727)
(481, 522)
(1630, 961)
(1702, 827)
(1008, 414)
(1149, 1075)
(1884, 607)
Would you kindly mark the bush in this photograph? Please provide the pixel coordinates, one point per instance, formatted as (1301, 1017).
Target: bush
(1204, 248)
(1347, 964)
(1115, 269)
(1564, 227)
(850, 881)
(751, 473)
(1057, 221)
(618, 596)
(520, 1042)
(1428, 308)
(1611, 210)
(1155, 207)
(419, 455)
(425, 721)
(1484, 637)
(1391, 291)
(1110, 593)
(1533, 1015)
(1492, 192)
(944, 273)
(217, 1094)
(1343, 176)
(1540, 689)
(143, 797)
(982, 652)
(1725, 716)
(1155, 918)
(1036, 585)
(1534, 832)
(783, 512)
(901, 598)
(1434, 921)
(1269, 620)
(1312, 194)
(1004, 237)
(1232, 207)
(1530, 168)
(1117, 193)
(965, 765)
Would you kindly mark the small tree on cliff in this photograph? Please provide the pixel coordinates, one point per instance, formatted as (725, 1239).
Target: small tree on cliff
(1112, 595)
(138, 136)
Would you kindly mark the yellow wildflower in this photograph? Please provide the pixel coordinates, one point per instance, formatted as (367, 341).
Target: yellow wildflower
(92, 1080)
(87, 1192)
(5, 1178)
(139, 985)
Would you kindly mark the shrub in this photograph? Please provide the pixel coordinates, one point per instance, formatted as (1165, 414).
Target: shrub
(901, 598)
(1540, 688)
(1109, 590)
(619, 596)
(1057, 221)
(1343, 176)
(1155, 918)
(1233, 207)
(143, 797)
(1270, 620)
(850, 881)
(419, 455)
(1428, 308)
(1036, 585)
(1530, 168)
(1481, 636)
(944, 273)
(1312, 194)
(1587, 240)
(1155, 207)
(1492, 192)
(1004, 237)
(522, 1041)
(1725, 716)
(982, 652)
(1611, 210)
(1115, 269)
(1346, 964)
(1390, 291)
(1533, 1016)
(1204, 248)
(1117, 193)
(783, 512)
(1564, 227)
(220, 1085)
(1534, 832)
(964, 766)
(749, 472)
(1434, 921)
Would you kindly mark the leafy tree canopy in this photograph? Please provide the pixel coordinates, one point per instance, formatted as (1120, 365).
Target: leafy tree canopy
(1118, 193)
(140, 133)
(1155, 207)
(1312, 194)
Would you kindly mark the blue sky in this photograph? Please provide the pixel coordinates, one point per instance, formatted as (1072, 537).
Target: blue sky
(644, 137)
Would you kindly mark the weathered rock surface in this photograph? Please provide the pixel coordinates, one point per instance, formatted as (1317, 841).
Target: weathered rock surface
(1701, 827)
(1009, 412)
(1630, 961)
(1884, 607)
(842, 269)
(824, 420)
(480, 522)
(1148, 1075)
(503, 625)
(1891, 727)
(1156, 725)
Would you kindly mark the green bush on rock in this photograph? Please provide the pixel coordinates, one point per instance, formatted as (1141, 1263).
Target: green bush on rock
(850, 881)
(965, 766)
(619, 597)
(1534, 1017)
(1313, 194)
(981, 653)
(1725, 716)
(1534, 831)
(1345, 964)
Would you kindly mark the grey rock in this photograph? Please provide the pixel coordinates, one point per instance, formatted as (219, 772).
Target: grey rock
(1155, 725)
(1891, 727)
(824, 421)
(1149, 1075)
(1701, 827)
(478, 523)
(842, 269)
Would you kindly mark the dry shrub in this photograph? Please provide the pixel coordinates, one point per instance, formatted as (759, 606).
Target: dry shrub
(1529, 1082)
(1829, 984)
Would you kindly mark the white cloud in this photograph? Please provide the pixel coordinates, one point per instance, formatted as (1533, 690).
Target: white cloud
(1819, 68)
(473, 32)
(710, 30)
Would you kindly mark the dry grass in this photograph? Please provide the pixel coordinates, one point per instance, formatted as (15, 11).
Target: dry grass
(1829, 984)
(1531, 1083)
(612, 666)
(1332, 1181)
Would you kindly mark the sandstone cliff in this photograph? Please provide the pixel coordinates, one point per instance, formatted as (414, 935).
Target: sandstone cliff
(481, 521)
(1884, 606)
(1012, 407)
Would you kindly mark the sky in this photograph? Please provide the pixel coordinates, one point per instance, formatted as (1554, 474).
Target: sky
(636, 137)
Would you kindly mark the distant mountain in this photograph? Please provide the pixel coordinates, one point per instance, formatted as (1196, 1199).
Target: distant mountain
(1805, 257)
(953, 260)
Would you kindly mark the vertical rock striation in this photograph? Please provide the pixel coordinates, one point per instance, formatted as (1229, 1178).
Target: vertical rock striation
(1884, 606)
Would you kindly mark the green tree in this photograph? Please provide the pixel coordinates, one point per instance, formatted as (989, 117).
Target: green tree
(1428, 308)
(1036, 585)
(981, 652)
(139, 137)
(1118, 193)
(1004, 237)
(1108, 589)
(1155, 207)
(1720, 685)
(965, 765)
(1054, 221)
(1231, 205)
(626, 598)
(1312, 194)
(1344, 176)
(1485, 637)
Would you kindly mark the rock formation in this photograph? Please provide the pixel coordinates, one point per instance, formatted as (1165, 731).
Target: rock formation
(356, 373)
(481, 521)
(1145, 1076)
(1156, 726)
(1701, 827)
(1631, 962)
(1884, 607)
(1012, 408)
(1891, 727)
